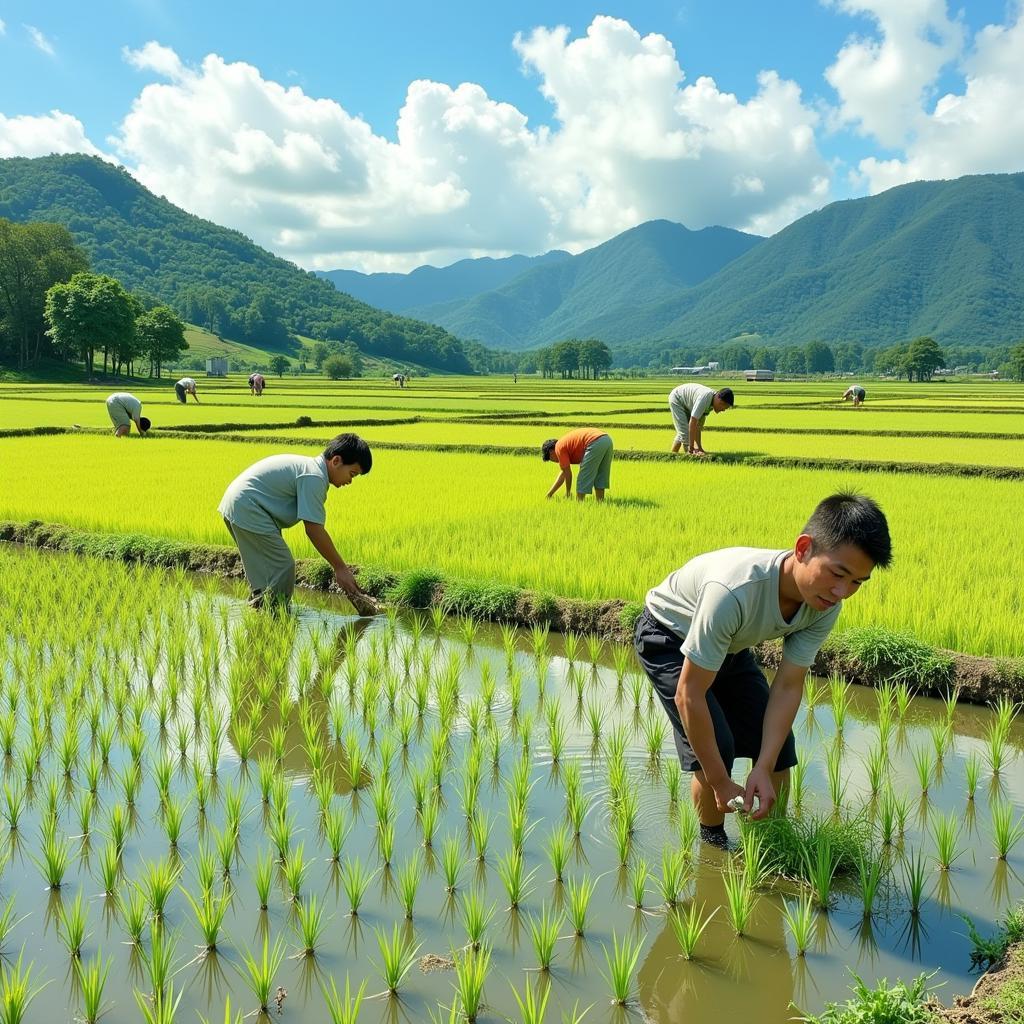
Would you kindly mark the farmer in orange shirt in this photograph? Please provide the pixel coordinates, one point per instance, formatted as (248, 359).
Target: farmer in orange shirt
(587, 448)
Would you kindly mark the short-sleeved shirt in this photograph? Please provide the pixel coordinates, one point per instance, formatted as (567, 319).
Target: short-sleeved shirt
(570, 449)
(724, 601)
(856, 390)
(276, 493)
(131, 405)
(187, 383)
(696, 399)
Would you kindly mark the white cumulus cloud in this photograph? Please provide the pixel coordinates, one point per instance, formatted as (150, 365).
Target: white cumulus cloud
(39, 41)
(467, 174)
(55, 132)
(977, 130)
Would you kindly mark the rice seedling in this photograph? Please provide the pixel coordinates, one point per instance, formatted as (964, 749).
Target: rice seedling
(539, 640)
(355, 880)
(837, 780)
(14, 804)
(210, 912)
(544, 935)
(924, 766)
(429, 818)
(839, 693)
(637, 687)
(259, 972)
(92, 979)
(997, 748)
(53, 856)
(74, 921)
(595, 719)
(739, 897)
(655, 730)
(887, 818)
(480, 833)
(578, 896)
(689, 927)
(673, 874)
(577, 806)
(159, 881)
(207, 868)
(972, 773)
(941, 734)
(134, 913)
(468, 629)
(515, 877)
(621, 961)
(310, 924)
(914, 875)
(174, 819)
(336, 828)
(16, 992)
(1006, 711)
(408, 883)
(471, 969)
(820, 863)
(8, 922)
(622, 837)
(263, 878)
(532, 1008)
(161, 1009)
(797, 784)
(759, 861)
(869, 879)
(343, 1009)
(946, 833)
(877, 765)
(673, 781)
(1006, 833)
(280, 830)
(638, 883)
(577, 681)
(799, 917)
(451, 863)
(519, 824)
(476, 916)
(559, 846)
(294, 870)
(160, 959)
(226, 847)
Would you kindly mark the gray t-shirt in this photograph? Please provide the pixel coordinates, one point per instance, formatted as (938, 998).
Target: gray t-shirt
(188, 383)
(694, 398)
(727, 600)
(276, 493)
(131, 405)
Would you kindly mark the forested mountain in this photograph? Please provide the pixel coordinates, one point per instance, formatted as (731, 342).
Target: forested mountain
(581, 295)
(429, 285)
(214, 277)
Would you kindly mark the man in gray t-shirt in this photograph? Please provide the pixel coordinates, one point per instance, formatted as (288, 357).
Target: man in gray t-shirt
(275, 494)
(124, 409)
(695, 635)
(690, 405)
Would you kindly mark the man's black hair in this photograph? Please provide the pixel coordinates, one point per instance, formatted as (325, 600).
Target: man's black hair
(547, 448)
(352, 448)
(726, 395)
(850, 518)
(145, 423)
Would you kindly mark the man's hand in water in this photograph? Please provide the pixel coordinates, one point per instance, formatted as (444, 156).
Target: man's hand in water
(345, 580)
(365, 604)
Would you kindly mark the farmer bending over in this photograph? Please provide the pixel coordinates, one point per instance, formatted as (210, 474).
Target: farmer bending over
(186, 386)
(256, 384)
(695, 635)
(690, 405)
(274, 494)
(587, 448)
(124, 410)
(856, 392)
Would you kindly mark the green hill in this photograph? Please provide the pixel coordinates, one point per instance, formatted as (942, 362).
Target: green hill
(582, 296)
(214, 277)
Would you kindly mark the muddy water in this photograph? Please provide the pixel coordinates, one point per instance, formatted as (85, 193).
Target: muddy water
(754, 978)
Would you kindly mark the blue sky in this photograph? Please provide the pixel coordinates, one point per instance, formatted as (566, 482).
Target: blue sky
(289, 131)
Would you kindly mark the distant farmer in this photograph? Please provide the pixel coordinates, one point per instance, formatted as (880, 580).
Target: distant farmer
(276, 493)
(124, 410)
(399, 379)
(690, 405)
(694, 640)
(587, 448)
(256, 384)
(186, 386)
(855, 392)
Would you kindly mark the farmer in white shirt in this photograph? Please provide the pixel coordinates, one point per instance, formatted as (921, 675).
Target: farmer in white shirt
(690, 405)
(186, 386)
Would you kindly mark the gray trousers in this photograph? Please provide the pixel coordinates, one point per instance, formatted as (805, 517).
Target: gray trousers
(268, 564)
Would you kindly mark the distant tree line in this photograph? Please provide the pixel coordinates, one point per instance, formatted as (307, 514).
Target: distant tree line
(574, 357)
(52, 306)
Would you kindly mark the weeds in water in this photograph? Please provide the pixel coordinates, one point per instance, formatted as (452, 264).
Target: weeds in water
(621, 961)
(92, 978)
(471, 969)
(799, 917)
(544, 934)
(904, 1003)
(343, 1009)
(1006, 833)
(260, 972)
(689, 927)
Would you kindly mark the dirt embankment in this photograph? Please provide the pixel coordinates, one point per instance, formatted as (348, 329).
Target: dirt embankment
(998, 998)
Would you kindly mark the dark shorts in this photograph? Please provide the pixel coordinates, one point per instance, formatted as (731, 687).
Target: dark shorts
(737, 698)
(179, 390)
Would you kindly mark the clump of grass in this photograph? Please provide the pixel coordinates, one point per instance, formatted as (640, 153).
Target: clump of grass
(820, 863)
(689, 927)
(989, 950)
(907, 1004)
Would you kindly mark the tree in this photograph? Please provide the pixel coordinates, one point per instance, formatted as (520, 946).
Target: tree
(88, 312)
(792, 360)
(764, 359)
(925, 357)
(336, 367)
(33, 258)
(320, 353)
(161, 336)
(566, 357)
(1016, 360)
(594, 357)
(818, 357)
(279, 364)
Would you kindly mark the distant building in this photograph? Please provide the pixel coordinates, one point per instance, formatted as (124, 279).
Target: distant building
(760, 374)
(694, 371)
(217, 366)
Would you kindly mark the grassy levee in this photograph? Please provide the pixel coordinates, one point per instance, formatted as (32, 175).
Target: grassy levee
(859, 656)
